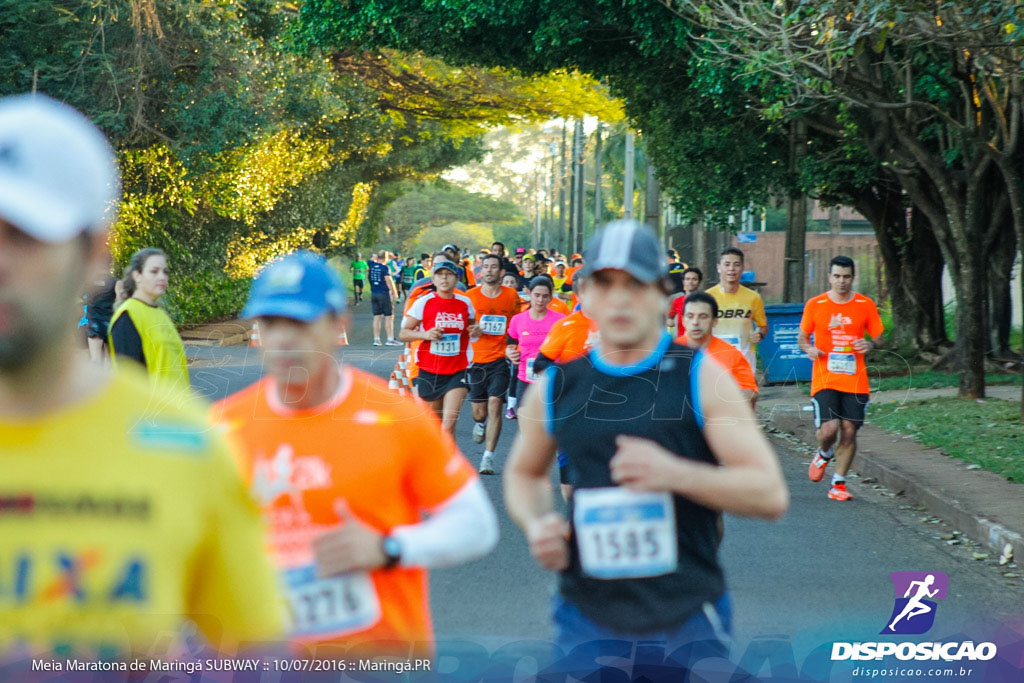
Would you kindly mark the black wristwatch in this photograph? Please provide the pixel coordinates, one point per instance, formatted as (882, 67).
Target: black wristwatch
(392, 550)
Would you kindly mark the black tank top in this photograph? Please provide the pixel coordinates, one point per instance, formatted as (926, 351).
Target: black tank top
(591, 403)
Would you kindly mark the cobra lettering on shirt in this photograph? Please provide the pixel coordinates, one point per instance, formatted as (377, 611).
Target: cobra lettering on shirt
(447, 345)
(333, 606)
(493, 324)
(624, 534)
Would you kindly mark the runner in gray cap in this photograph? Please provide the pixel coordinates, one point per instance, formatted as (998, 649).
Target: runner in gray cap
(670, 446)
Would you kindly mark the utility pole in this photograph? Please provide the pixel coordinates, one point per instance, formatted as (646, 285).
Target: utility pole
(539, 206)
(627, 184)
(652, 202)
(598, 213)
(562, 192)
(578, 168)
(553, 151)
(796, 224)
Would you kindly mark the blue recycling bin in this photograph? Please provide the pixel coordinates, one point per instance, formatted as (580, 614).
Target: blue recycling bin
(782, 358)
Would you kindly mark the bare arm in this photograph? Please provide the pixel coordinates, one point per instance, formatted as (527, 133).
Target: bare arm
(527, 497)
(748, 481)
(408, 331)
(803, 341)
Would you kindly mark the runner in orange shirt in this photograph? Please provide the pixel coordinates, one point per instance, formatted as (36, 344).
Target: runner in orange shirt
(346, 530)
(569, 338)
(838, 319)
(700, 317)
(489, 373)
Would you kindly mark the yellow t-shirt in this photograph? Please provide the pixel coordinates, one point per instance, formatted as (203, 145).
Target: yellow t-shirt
(736, 312)
(121, 516)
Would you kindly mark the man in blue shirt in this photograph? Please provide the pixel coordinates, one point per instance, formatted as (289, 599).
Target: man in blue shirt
(382, 292)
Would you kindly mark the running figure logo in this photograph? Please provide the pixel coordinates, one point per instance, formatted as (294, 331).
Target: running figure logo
(914, 612)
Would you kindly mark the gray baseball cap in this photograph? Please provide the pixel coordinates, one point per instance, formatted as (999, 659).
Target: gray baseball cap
(626, 245)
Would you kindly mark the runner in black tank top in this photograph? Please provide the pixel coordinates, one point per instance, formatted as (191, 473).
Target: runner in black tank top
(659, 442)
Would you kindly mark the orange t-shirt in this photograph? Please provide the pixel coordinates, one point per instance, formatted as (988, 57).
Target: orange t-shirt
(492, 315)
(387, 457)
(835, 327)
(730, 358)
(559, 306)
(570, 338)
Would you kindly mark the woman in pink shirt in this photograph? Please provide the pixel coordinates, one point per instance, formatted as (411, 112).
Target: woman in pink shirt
(527, 330)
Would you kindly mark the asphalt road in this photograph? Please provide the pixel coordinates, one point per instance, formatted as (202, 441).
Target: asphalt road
(820, 574)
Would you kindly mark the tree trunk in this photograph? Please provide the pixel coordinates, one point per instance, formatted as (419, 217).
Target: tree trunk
(1001, 248)
(796, 225)
(911, 257)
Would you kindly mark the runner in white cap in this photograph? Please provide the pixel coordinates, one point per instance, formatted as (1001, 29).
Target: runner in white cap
(128, 515)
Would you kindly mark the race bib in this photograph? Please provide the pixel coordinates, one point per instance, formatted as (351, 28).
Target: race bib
(625, 535)
(842, 363)
(335, 606)
(448, 345)
(493, 324)
(531, 376)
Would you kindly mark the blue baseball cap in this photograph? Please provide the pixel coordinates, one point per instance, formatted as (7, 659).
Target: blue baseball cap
(301, 286)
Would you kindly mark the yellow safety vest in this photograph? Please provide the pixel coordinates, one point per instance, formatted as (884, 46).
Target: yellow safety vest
(165, 354)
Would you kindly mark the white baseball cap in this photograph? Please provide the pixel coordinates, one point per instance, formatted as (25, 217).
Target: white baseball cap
(58, 174)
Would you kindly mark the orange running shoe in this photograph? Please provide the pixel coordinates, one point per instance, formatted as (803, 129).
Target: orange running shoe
(839, 492)
(817, 469)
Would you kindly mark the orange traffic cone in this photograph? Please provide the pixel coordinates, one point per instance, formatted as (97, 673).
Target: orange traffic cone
(254, 336)
(393, 382)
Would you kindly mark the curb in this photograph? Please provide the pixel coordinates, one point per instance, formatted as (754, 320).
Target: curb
(944, 504)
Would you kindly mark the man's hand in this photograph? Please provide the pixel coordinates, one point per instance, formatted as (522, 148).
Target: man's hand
(814, 353)
(513, 354)
(474, 330)
(353, 546)
(862, 345)
(643, 465)
(756, 336)
(549, 546)
(433, 334)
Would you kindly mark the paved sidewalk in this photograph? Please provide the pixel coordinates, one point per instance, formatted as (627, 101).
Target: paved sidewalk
(982, 505)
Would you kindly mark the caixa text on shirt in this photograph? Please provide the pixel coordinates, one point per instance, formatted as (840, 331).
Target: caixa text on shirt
(89, 576)
(73, 505)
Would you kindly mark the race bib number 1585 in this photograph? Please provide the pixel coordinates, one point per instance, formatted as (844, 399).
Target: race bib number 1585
(622, 534)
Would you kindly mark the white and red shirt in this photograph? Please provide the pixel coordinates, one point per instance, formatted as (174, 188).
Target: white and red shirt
(451, 353)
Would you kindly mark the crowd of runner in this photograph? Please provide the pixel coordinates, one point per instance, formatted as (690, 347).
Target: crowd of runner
(124, 513)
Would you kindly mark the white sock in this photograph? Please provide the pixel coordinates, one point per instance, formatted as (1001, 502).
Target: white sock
(826, 455)
(511, 401)
(482, 422)
(488, 454)
(838, 479)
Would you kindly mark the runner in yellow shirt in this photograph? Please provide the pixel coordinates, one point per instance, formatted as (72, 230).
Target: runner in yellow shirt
(122, 512)
(741, 318)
